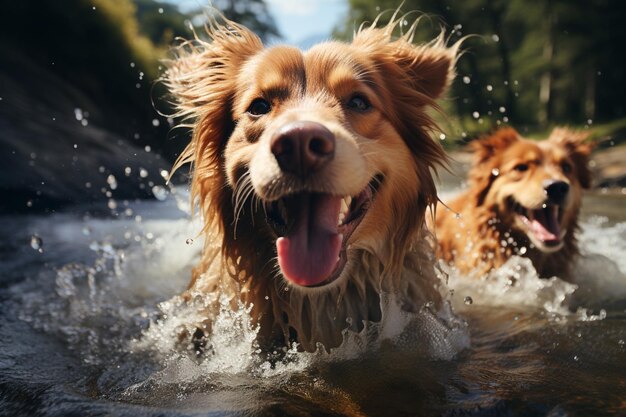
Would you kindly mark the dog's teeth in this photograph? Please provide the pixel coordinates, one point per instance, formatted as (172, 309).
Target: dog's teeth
(345, 205)
(342, 217)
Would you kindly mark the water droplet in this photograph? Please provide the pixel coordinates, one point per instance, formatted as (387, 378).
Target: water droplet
(112, 181)
(475, 115)
(621, 342)
(155, 122)
(505, 119)
(36, 243)
(164, 173)
(159, 192)
(112, 204)
(495, 172)
(522, 250)
(127, 171)
(468, 300)
(502, 109)
(575, 358)
(78, 113)
(86, 231)
(466, 79)
(489, 87)
(143, 173)
(132, 65)
(442, 136)
(160, 10)
(589, 121)
(495, 37)
(147, 148)
(189, 241)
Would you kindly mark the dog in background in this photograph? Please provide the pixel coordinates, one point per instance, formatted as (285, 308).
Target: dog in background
(524, 197)
(312, 171)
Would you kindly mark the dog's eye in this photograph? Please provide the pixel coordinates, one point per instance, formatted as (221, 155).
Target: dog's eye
(521, 167)
(359, 102)
(259, 107)
(566, 167)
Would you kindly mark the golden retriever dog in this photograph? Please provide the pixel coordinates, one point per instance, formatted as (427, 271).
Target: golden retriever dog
(523, 199)
(312, 171)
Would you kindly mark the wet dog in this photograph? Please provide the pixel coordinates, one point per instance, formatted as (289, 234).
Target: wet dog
(524, 197)
(312, 171)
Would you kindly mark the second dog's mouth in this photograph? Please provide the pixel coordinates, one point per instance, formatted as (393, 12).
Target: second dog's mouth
(312, 232)
(543, 225)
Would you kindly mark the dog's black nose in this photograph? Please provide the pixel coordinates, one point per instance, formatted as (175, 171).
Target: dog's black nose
(303, 147)
(556, 191)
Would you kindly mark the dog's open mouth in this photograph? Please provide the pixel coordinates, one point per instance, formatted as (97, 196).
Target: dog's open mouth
(313, 230)
(543, 224)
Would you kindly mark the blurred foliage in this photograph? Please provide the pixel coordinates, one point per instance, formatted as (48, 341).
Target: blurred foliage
(162, 23)
(529, 63)
(109, 50)
(251, 13)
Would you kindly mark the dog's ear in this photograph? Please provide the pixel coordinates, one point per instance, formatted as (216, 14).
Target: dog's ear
(484, 168)
(427, 69)
(202, 80)
(486, 147)
(579, 150)
(414, 77)
(202, 75)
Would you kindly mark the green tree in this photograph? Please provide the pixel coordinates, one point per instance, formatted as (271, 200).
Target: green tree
(251, 13)
(531, 63)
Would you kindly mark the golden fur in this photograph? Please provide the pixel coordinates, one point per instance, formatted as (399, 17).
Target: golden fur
(482, 229)
(235, 174)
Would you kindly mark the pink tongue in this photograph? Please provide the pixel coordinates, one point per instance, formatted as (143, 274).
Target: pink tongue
(545, 225)
(310, 252)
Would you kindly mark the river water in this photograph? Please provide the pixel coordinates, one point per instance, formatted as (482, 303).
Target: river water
(87, 328)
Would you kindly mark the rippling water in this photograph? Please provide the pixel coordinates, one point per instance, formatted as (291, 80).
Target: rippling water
(87, 328)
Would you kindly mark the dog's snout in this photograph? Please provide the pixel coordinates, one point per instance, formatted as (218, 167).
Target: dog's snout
(556, 191)
(303, 147)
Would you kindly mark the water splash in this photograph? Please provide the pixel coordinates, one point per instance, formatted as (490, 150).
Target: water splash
(111, 302)
(515, 283)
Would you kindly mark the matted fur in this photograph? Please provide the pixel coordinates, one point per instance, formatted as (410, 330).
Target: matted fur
(214, 81)
(477, 230)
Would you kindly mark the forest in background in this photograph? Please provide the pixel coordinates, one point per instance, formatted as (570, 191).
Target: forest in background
(528, 63)
(80, 101)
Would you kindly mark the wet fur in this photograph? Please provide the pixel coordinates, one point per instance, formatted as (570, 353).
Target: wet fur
(214, 81)
(471, 230)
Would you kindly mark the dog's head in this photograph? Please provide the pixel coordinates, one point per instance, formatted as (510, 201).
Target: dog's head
(535, 187)
(301, 158)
